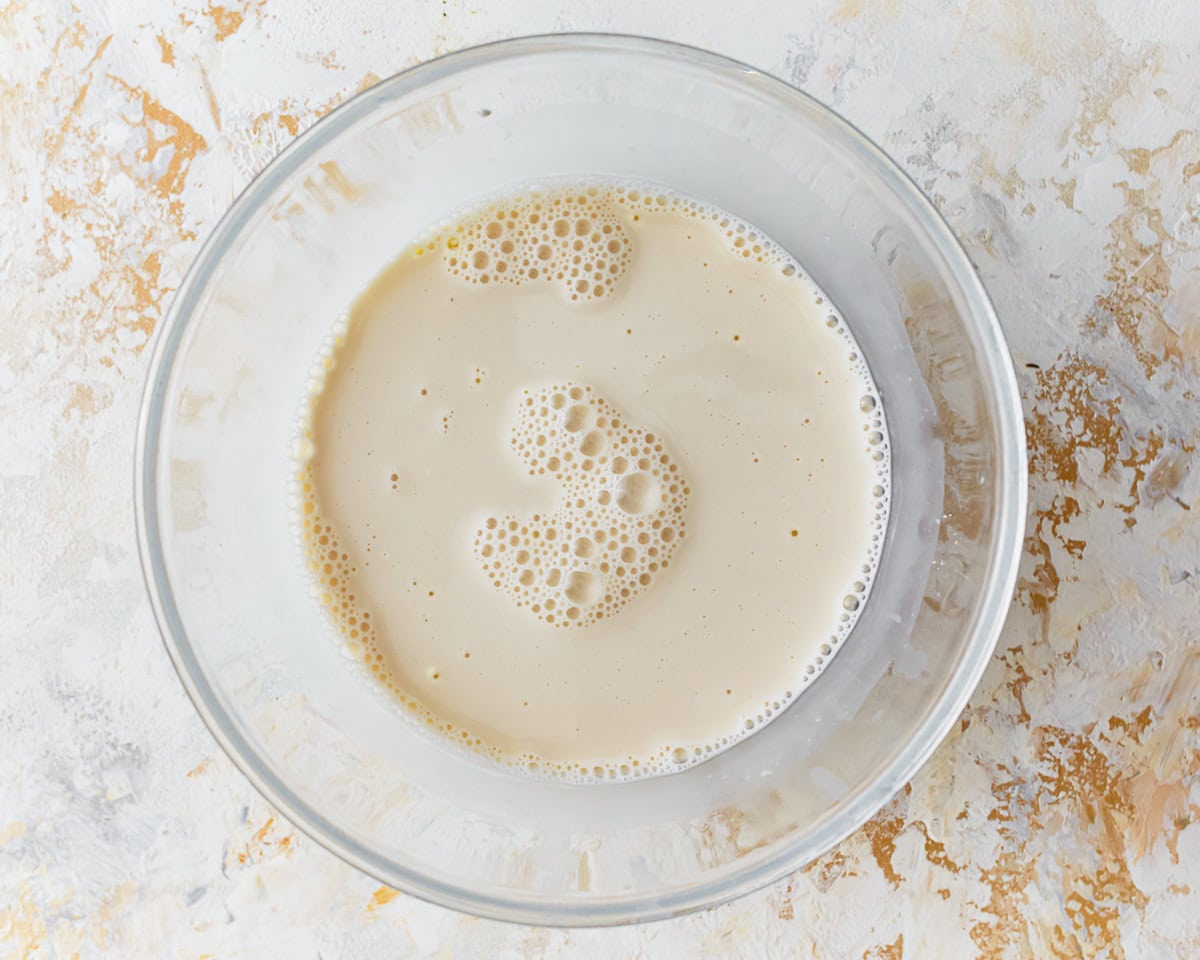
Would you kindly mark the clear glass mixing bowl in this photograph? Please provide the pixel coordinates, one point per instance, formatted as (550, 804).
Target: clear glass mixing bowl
(230, 365)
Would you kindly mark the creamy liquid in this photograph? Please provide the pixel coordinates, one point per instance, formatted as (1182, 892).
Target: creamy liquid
(593, 482)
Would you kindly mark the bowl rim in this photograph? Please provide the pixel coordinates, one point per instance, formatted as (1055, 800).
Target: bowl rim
(529, 907)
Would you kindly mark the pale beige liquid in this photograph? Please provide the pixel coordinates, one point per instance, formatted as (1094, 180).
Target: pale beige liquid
(603, 523)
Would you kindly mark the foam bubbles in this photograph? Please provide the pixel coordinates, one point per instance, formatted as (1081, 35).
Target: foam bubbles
(578, 238)
(569, 237)
(613, 532)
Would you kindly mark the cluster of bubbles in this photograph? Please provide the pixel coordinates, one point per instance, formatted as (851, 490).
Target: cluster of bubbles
(571, 238)
(619, 518)
(576, 238)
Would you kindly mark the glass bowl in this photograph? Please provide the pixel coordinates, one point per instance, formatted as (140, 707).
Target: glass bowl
(230, 366)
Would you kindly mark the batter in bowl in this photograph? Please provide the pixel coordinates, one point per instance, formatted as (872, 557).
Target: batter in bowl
(592, 481)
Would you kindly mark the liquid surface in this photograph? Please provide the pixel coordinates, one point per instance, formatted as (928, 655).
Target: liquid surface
(593, 482)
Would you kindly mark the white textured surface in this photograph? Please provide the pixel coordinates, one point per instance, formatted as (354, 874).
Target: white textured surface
(1060, 140)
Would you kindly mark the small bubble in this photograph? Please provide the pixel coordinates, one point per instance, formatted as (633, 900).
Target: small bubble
(593, 443)
(584, 547)
(638, 493)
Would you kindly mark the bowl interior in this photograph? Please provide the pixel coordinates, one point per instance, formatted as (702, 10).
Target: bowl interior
(232, 364)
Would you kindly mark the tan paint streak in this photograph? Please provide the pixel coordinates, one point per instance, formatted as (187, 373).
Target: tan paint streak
(262, 831)
(1073, 769)
(82, 401)
(55, 140)
(1161, 740)
(935, 850)
(881, 833)
(1066, 192)
(166, 50)
(1008, 882)
(1040, 590)
(1138, 160)
(1134, 727)
(1137, 461)
(263, 845)
(182, 139)
(99, 52)
(1012, 659)
(1086, 792)
(381, 897)
(187, 144)
(61, 204)
(1093, 903)
(1074, 408)
(1063, 945)
(890, 951)
(1139, 271)
(210, 95)
(227, 22)
(127, 291)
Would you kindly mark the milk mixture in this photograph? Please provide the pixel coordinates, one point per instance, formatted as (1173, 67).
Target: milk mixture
(593, 482)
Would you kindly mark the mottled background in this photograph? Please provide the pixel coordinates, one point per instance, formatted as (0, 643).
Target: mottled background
(1062, 141)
